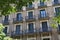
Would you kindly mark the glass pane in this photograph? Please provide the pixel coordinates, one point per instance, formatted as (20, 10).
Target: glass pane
(30, 15)
(41, 3)
(6, 18)
(42, 13)
(55, 1)
(30, 27)
(44, 26)
(19, 16)
(57, 11)
(17, 28)
(5, 30)
(30, 5)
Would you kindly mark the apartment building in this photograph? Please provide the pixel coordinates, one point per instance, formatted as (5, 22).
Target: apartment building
(33, 21)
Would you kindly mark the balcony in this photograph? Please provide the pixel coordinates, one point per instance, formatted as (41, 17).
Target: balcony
(16, 33)
(30, 7)
(29, 19)
(30, 32)
(56, 14)
(44, 17)
(45, 30)
(7, 34)
(42, 5)
(15, 20)
(5, 22)
(35, 31)
(56, 3)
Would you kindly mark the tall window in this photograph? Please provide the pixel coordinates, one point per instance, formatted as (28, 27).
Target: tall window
(30, 5)
(18, 29)
(44, 26)
(30, 15)
(19, 16)
(5, 30)
(42, 13)
(57, 11)
(6, 18)
(30, 27)
(41, 3)
(55, 1)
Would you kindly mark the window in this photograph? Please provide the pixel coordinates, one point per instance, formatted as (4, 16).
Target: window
(57, 11)
(18, 28)
(31, 27)
(6, 18)
(55, 1)
(41, 3)
(30, 5)
(5, 30)
(19, 16)
(42, 13)
(30, 15)
(44, 26)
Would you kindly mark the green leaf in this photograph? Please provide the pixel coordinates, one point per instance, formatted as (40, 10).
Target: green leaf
(7, 38)
(7, 9)
(1, 27)
(42, 0)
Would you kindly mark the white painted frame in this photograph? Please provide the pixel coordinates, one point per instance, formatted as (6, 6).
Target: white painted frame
(33, 25)
(44, 21)
(42, 9)
(55, 7)
(30, 11)
(17, 13)
(7, 28)
(8, 17)
(20, 27)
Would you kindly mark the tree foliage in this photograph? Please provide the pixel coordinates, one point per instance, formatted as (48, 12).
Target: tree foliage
(6, 7)
(55, 20)
(2, 34)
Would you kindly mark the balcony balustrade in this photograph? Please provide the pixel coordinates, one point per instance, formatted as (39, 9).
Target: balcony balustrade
(30, 32)
(49, 29)
(17, 33)
(42, 5)
(29, 19)
(15, 20)
(56, 3)
(5, 22)
(30, 7)
(56, 14)
(43, 17)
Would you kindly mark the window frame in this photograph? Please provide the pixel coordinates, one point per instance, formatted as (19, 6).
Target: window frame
(45, 14)
(30, 11)
(20, 27)
(33, 25)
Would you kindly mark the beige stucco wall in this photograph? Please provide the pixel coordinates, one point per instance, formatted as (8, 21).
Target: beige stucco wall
(37, 23)
(11, 27)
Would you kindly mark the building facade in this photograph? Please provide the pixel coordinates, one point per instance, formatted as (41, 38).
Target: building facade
(32, 22)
